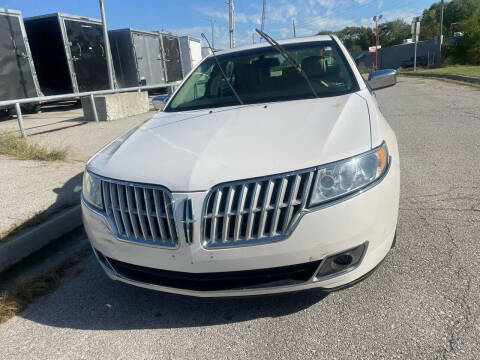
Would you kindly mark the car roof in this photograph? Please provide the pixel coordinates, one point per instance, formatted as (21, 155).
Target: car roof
(281, 42)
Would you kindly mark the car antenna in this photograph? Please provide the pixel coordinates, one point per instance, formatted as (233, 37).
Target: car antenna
(221, 69)
(287, 57)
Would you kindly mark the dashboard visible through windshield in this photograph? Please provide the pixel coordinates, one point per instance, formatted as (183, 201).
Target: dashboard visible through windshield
(264, 75)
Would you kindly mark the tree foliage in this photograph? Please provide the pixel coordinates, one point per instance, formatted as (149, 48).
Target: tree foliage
(455, 12)
(458, 16)
(467, 47)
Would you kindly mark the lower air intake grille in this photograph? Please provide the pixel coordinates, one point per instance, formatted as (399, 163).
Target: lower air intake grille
(285, 275)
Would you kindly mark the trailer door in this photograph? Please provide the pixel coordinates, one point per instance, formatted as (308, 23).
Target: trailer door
(16, 77)
(195, 51)
(87, 48)
(149, 58)
(171, 49)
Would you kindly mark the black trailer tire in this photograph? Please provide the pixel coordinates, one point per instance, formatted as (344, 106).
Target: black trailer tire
(30, 108)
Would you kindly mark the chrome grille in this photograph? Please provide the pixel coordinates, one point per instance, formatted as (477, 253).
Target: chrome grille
(140, 213)
(254, 211)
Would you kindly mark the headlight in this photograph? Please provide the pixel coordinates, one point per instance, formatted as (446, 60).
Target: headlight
(345, 177)
(92, 190)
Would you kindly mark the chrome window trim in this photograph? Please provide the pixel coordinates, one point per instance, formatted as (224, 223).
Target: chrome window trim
(305, 209)
(111, 224)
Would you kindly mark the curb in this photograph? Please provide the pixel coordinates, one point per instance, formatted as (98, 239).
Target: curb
(462, 78)
(20, 246)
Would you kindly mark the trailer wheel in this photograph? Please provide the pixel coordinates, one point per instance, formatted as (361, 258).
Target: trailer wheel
(30, 108)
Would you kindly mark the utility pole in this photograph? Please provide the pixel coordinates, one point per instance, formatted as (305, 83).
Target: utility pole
(415, 35)
(108, 53)
(231, 20)
(376, 19)
(440, 36)
(253, 37)
(294, 32)
(263, 15)
(212, 25)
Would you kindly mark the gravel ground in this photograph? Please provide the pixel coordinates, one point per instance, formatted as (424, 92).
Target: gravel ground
(422, 303)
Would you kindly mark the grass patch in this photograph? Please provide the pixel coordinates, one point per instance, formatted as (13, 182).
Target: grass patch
(15, 301)
(464, 70)
(24, 149)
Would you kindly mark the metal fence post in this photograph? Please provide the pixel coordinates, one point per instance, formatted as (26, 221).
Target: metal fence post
(20, 119)
(94, 108)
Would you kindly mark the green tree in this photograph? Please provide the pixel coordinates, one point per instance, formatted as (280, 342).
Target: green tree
(467, 49)
(454, 12)
(355, 38)
(393, 32)
(430, 23)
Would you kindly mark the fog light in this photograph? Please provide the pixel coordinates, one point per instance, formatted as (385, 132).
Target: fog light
(343, 262)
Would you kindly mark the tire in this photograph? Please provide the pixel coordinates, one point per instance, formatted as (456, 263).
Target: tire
(30, 108)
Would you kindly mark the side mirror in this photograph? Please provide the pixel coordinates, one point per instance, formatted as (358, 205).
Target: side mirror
(382, 78)
(160, 101)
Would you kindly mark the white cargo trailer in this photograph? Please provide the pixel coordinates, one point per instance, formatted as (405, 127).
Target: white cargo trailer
(191, 52)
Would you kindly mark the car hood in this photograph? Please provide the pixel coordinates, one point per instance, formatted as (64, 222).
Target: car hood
(195, 150)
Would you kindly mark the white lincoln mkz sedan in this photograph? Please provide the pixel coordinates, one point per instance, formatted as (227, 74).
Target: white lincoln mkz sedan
(271, 169)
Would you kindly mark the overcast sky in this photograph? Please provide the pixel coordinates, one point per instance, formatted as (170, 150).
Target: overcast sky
(191, 17)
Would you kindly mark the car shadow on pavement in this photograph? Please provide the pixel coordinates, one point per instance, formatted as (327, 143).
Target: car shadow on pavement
(91, 301)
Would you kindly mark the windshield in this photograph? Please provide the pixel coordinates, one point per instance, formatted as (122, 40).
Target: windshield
(264, 75)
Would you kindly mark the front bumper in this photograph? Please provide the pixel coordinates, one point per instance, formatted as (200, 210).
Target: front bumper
(368, 218)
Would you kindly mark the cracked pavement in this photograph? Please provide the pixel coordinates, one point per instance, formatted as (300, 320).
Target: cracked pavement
(422, 303)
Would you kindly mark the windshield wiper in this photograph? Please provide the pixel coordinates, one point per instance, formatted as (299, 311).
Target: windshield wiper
(287, 57)
(221, 70)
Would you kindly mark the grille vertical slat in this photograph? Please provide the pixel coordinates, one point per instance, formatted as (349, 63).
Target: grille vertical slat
(276, 212)
(251, 211)
(263, 213)
(131, 207)
(148, 208)
(140, 213)
(138, 203)
(115, 209)
(291, 198)
(213, 226)
(226, 211)
(169, 217)
(306, 189)
(254, 211)
(123, 209)
(160, 214)
(238, 215)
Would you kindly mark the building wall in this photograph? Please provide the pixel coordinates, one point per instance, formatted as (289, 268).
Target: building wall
(393, 57)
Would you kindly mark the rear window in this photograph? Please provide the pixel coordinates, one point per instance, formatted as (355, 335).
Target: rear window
(264, 75)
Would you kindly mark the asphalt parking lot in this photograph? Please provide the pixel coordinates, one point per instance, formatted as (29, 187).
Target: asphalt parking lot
(423, 302)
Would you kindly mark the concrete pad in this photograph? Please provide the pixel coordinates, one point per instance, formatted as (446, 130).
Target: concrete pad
(116, 106)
